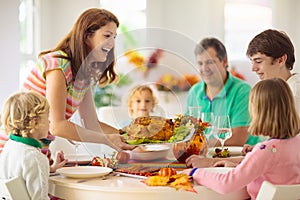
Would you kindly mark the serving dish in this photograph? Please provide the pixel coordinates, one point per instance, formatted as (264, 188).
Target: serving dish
(147, 152)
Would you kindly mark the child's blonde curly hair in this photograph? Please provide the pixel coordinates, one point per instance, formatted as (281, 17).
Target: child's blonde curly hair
(22, 112)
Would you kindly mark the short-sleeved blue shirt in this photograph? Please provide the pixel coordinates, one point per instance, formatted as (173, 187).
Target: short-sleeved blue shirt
(232, 100)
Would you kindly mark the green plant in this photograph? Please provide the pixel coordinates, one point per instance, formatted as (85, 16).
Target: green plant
(107, 96)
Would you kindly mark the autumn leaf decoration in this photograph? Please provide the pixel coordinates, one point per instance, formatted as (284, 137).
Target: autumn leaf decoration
(145, 65)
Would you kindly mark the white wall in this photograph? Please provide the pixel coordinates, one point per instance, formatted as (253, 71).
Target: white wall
(194, 19)
(9, 49)
(58, 17)
(285, 17)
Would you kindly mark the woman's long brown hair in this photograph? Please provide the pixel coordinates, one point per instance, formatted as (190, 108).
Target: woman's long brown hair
(74, 45)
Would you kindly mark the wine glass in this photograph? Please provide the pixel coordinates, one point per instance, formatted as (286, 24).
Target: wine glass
(195, 112)
(208, 118)
(223, 129)
(76, 145)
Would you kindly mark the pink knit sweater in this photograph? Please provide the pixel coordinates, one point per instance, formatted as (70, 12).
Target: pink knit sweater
(275, 160)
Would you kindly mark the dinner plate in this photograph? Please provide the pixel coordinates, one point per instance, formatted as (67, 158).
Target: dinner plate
(81, 158)
(84, 171)
(234, 151)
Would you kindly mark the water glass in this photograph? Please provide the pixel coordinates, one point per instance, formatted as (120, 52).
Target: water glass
(223, 129)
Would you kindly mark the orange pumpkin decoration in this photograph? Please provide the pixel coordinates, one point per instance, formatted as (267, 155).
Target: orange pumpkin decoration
(167, 171)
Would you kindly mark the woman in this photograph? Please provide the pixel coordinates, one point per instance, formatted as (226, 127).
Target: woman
(65, 76)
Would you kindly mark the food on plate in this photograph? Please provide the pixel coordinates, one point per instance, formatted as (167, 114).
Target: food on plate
(176, 181)
(96, 161)
(140, 170)
(221, 154)
(123, 157)
(167, 171)
(105, 162)
(154, 129)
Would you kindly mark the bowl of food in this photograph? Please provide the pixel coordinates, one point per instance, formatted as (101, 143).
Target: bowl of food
(148, 152)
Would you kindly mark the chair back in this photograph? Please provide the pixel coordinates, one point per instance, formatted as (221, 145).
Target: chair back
(13, 189)
(269, 191)
(113, 115)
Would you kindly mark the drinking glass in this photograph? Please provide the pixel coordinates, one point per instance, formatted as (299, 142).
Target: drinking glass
(76, 145)
(208, 118)
(195, 112)
(223, 129)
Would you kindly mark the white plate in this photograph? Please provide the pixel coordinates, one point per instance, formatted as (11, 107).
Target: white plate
(81, 158)
(234, 151)
(84, 171)
(150, 152)
(221, 170)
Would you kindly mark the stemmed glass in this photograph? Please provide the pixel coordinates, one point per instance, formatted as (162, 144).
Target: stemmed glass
(195, 112)
(223, 129)
(76, 145)
(208, 118)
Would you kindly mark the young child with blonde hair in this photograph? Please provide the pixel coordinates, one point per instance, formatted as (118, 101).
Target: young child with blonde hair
(273, 113)
(25, 119)
(141, 101)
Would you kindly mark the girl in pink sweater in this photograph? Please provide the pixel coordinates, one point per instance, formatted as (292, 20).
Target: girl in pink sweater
(277, 160)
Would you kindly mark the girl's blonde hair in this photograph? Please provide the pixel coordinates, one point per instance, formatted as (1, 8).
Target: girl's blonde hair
(272, 110)
(138, 90)
(22, 111)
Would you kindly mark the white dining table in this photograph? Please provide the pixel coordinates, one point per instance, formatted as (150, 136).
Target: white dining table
(127, 188)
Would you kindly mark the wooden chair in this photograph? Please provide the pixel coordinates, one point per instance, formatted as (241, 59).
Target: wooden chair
(13, 189)
(269, 191)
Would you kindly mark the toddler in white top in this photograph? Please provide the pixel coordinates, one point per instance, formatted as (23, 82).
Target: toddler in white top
(25, 119)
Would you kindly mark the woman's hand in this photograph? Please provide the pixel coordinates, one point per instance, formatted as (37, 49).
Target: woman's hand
(117, 142)
(246, 149)
(59, 161)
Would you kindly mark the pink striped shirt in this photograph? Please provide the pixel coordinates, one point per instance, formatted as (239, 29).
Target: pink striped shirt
(75, 89)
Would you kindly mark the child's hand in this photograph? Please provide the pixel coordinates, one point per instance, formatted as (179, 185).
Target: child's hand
(246, 149)
(59, 161)
(225, 163)
(186, 171)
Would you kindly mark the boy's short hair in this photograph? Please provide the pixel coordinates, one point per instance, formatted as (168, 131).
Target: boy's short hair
(274, 44)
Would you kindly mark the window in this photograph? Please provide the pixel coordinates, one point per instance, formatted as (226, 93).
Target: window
(241, 24)
(29, 37)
